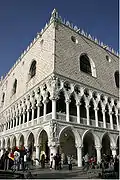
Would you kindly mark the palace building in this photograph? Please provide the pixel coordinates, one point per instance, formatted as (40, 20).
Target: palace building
(61, 95)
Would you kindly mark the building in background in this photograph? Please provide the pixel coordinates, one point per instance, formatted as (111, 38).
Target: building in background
(62, 95)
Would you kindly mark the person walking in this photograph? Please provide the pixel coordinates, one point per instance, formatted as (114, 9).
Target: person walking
(69, 159)
(51, 160)
(86, 161)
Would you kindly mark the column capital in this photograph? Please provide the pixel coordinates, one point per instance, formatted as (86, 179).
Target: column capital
(67, 101)
(78, 103)
(98, 147)
(113, 147)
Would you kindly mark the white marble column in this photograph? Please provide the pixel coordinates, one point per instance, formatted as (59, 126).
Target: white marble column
(98, 149)
(87, 113)
(33, 111)
(38, 113)
(96, 116)
(67, 110)
(104, 120)
(118, 126)
(78, 112)
(111, 120)
(37, 154)
(113, 151)
(2, 151)
(27, 116)
(53, 108)
(79, 155)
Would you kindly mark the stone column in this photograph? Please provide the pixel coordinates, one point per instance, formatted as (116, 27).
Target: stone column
(45, 109)
(111, 120)
(79, 155)
(33, 115)
(53, 150)
(88, 117)
(78, 112)
(27, 116)
(67, 110)
(104, 120)
(98, 148)
(118, 126)
(37, 154)
(53, 108)
(17, 120)
(38, 113)
(96, 116)
(2, 151)
(113, 151)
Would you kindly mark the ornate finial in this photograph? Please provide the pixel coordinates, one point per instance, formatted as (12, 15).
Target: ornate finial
(54, 15)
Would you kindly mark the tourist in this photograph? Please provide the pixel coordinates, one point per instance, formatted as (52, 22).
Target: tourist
(69, 159)
(43, 161)
(51, 160)
(86, 161)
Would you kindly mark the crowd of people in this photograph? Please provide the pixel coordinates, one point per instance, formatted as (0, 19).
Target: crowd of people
(109, 164)
(16, 159)
(21, 158)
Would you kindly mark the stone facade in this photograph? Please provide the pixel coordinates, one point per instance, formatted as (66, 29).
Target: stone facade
(61, 101)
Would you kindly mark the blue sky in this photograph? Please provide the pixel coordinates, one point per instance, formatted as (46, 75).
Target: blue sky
(20, 20)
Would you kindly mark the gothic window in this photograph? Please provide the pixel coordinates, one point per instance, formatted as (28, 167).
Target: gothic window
(117, 78)
(14, 86)
(32, 70)
(3, 97)
(85, 64)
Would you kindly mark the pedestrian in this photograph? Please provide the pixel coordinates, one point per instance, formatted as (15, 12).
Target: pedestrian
(116, 166)
(51, 160)
(16, 160)
(86, 161)
(69, 160)
(43, 161)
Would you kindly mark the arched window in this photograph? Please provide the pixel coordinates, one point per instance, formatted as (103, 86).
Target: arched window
(32, 70)
(14, 86)
(117, 78)
(85, 64)
(3, 97)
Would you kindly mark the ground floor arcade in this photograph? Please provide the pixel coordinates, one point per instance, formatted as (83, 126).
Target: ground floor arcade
(64, 139)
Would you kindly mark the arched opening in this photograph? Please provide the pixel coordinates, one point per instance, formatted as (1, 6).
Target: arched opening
(105, 150)
(116, 75)
(49, 104)
(31, 147)
(82, 110)
(14, 87)
(35, 109)
(118, 146)
(89, 145)
(72, 106)
(67, 145)
(21, 141)
(91, 111)
(3, 145)
(13, 143)
(61, 105)
(107, 117)
(43, 142)
(100, 114)
(8, 144)
(32, 70)
(30, 112)
(114, 116)
(85, 64)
